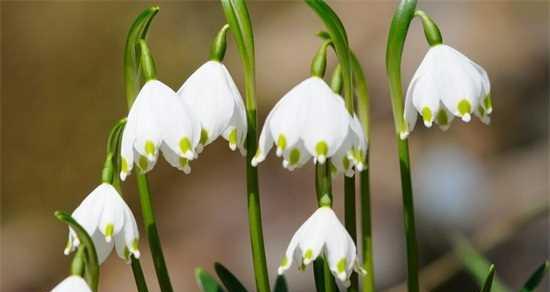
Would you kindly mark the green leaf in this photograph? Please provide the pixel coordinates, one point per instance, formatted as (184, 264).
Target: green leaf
(339, 38)
(230, 281)
(137, 31)
(92, 263)
(206, 282)
(488, 283)
(536, 277)
(280, 284)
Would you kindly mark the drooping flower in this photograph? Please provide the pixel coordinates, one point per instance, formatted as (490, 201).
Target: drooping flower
(447, 84)
(72, 284)
(212, 95)
(105, 216)
(322, 233)
(158, 120)
(312, 121)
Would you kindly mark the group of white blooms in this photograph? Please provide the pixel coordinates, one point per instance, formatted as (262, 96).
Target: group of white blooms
(310, 121)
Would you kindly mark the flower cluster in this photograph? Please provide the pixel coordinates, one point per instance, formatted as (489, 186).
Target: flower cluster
(207, 105)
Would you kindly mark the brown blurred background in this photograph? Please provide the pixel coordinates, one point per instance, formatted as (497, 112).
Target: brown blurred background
(62, 91)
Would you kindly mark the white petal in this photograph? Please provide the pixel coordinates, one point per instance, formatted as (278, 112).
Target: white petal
(102, 247)
(410, 114)
(314, 235)
(425, 98)
(143, 119)
(341, 251)
(327, 121)
(289, 114)
(265, 142)
(127, 241)
(72, 284)
(208, 93)
(237, 121)
(127, 149)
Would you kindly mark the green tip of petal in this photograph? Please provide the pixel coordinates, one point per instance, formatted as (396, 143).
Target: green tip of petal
(442, 118)
(143, 162)
(427, 116)
(308, 255)
(124, 165)
(185, 144)
(341, 265)
(345, 162)
(284, 262)
(135, 245)
(149, 147)
(204, 136)
(321, 148)
(464, 107)
(233, 137)
(281, 142)
(108, 232)
(183, 162)
(294, 156)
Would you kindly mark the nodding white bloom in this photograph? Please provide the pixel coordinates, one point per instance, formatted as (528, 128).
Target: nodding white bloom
(72, 284)
(105, 216)
(158, 120)
(447, 84)
(323, 233)
(312, 121)
(212, 95)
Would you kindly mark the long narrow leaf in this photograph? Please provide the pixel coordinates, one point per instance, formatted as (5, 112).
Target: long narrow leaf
(488, 283)
(230, 281)
(206, 282)
(536, 278)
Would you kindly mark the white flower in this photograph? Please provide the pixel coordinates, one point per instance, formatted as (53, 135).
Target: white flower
(72, 284)
(311, 120)
(323, 233)
(212, 95)
(447, 84)
(158, 120)
(105, 216)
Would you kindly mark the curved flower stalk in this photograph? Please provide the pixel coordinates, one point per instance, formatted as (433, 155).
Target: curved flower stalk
(109, 221)
(158, 120)
(447, 84)
(322, 233)
(72, 283)
(211, 94)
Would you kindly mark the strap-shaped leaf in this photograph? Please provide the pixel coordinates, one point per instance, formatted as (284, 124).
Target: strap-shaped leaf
(535, 278)
(280, 284)
(488, 283)
(137, 31)
(229, 280)
(92, 263)
(206, 282)
(339, 38)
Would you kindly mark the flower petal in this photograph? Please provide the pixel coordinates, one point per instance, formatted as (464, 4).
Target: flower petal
(72, 284)
(295, 156)
(175, 160)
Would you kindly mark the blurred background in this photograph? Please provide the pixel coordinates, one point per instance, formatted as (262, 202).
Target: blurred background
(62, 91)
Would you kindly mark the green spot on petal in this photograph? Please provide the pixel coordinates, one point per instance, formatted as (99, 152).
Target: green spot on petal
(135, 245)
(481, 111)
(149, 147)
(109, 230)
(427, 114)
(185, 145)
(124, 165)
(464, 107)
(487, 102)
(204, 136)
(341, 265)
(321, 148)
(143, 162)
(233, 137)
(284, 262)
(442, 118)
(281, 142)
(294, 156)
(183, 162)
(308, 255)
(345, 162)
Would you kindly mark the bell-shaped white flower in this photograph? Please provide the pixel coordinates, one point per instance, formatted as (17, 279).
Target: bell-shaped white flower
(322, 233)
(158, 120)
(309, 121)
(211, 94)
(109, 222)
(72, 284)
(447, 84)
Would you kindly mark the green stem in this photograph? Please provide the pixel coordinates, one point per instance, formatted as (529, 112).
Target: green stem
(238, 18)
(149, 221)
(138, 275)
(363, 111)
(350, 221)
(396, 41)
